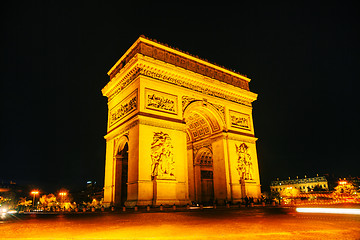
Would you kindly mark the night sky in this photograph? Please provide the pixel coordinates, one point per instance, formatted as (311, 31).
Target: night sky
(302, 57)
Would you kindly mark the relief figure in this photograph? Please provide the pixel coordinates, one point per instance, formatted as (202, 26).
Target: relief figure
(162, 157)
(244, 162)
(161, 102)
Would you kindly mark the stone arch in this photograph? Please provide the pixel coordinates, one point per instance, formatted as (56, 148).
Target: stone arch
(204, 157)
(120, 143)
(121, 170)
(202, 119)
(203, 122)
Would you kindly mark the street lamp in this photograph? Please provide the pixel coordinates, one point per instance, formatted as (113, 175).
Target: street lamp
(34, 192)
(62, 194)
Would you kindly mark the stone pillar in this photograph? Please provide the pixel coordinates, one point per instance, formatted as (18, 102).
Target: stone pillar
(197, 177)
(109, 174)
(222, 191)
(191, 174)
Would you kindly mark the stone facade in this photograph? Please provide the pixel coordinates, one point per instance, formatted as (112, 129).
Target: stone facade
(304, 185)
(180, 129)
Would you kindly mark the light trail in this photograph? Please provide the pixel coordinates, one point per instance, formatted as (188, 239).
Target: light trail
(329, 210)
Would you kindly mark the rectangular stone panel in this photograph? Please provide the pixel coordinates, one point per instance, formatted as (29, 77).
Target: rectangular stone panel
(240, 120)
(160, 101)
(124, 108)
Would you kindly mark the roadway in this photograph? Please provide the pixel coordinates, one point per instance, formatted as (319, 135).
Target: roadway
(221, 223)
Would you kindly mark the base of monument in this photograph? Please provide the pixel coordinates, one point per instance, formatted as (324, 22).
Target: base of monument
(133, 203)
(106, 204)
(237, 200)
(156, 203)
(165, 202)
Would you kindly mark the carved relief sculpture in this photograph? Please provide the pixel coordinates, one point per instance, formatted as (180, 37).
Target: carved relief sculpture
(244, 163)
(186, 101)
(240, 120)
(123, 109)
(162, 157)
(161, 101)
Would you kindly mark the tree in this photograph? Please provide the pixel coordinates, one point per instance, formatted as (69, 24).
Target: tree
(289, 192)
(48, 201)
(345, 188)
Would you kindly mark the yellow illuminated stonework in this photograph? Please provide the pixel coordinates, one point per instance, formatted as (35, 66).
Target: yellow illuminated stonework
(180, 129)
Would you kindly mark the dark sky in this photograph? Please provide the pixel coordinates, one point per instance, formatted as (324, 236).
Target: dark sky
(302, 57)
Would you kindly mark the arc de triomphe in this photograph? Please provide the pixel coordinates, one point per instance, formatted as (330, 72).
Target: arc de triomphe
(180, 129)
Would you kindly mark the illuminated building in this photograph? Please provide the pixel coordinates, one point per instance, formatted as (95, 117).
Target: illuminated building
(180, 129)
(353, 180)
(304, 185)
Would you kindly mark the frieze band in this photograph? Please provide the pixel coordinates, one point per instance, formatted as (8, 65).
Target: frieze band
(186, 84)
(192, 86)
(180, 61)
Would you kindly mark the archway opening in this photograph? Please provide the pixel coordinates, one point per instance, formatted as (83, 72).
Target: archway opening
(200, 125)
(121, 176)
(203, 122)
(204, 159)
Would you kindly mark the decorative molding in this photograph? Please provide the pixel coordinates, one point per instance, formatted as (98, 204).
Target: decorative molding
(140, 70)
(122, 130)
(123, 109)
(122, 84)
(160, 101)
(186, 100)
(204, 89)
(243, 138)
(163, 124)
(221, 110)
(179, 59)
(240, 120)
(197, 147)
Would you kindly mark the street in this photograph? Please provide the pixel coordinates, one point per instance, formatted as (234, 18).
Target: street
(221, 223)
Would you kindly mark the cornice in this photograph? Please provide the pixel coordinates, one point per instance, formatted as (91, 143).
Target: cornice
(180, 59)
(120, 130)
(192, 57)
(241, 137)
(121, 78)
(145, 66)
(163, 123)
(191, 76)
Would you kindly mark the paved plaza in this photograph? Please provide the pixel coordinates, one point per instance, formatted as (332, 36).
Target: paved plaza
(221, 223)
